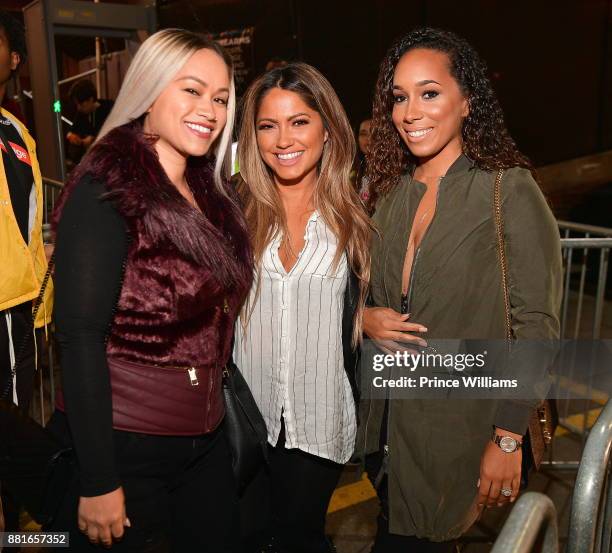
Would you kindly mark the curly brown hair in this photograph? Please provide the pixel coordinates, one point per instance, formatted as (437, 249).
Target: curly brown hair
(486, 140)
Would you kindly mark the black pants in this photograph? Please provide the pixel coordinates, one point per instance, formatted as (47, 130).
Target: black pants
(301, 487)
(21, 316)
(180, 495)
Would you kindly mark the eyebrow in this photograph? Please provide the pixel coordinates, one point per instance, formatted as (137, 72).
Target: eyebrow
(203, 83)
(420, 83)
(302, 114)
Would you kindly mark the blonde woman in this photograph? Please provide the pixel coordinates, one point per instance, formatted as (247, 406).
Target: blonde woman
(302, 322)
(153, 264)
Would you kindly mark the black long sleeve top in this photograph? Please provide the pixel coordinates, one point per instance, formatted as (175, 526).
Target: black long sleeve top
(91, 246)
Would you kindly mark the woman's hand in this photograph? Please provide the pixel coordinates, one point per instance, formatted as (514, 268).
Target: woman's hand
(102, 517)
(499, 470)
(389, 329)
(74, 139)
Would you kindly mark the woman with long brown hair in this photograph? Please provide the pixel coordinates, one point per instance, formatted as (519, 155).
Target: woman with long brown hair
(302, 321)
(440, 151)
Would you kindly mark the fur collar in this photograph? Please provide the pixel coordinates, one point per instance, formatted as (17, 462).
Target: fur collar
(141, 192)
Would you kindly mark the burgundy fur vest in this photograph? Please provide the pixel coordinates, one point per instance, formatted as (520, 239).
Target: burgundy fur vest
(186, 276)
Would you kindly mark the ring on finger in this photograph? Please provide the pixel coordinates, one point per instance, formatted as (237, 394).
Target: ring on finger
(506, 492)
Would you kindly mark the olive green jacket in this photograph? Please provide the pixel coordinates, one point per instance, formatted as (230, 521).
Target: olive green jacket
(456, 292)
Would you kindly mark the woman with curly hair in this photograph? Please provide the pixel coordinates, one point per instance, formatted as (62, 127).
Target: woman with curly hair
(439, 143)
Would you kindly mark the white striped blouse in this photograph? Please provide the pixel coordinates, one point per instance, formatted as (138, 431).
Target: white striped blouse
(291, 352)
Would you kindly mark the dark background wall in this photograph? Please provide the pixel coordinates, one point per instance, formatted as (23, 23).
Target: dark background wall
(549, 60)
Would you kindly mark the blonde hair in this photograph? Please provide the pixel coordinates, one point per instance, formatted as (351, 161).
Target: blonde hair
(334, 195)
(155, 64)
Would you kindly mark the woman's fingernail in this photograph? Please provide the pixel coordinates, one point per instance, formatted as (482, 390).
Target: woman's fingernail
(127, 523)
(512, 500)
(423, 329)
(478, 483)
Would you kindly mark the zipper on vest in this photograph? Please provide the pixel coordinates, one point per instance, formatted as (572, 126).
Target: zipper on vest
(211, 384)
(193, 378)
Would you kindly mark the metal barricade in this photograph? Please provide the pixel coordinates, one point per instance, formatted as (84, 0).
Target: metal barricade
(531, 512)
(580, 241)
(45, 395)
(51, 191)
(586, 252)
(590, 529)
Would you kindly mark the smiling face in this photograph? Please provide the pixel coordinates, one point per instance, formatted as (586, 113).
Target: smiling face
(429, 107)
(192, 110)
(290, 136)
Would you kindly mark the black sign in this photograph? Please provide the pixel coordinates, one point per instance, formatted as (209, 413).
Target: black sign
(239, 45)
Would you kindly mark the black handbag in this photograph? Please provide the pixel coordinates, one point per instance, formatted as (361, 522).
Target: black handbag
(244, 427)
(34, 467)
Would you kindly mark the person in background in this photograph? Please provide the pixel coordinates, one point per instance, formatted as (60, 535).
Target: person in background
(12, 36)
(23, 263)
(363, 146)
(90, 116)
(301, 324)
(153, 265)
(438, 145)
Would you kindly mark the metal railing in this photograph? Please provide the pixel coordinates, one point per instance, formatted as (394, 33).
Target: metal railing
(531, 512)
(51, 191)
(578, 242)
(586, 252)
(590, 528)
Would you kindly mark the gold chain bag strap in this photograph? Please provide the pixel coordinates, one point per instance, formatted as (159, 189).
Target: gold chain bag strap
(541, 422)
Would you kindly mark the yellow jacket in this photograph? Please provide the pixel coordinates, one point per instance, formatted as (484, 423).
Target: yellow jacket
(23, 266)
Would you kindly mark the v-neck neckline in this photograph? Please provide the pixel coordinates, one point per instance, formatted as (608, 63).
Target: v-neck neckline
(277, 244)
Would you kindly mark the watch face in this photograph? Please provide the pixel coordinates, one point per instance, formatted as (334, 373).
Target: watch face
(507, 444)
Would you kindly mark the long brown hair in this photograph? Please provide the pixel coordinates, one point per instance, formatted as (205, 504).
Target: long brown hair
(486, 140)
(334, 195)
